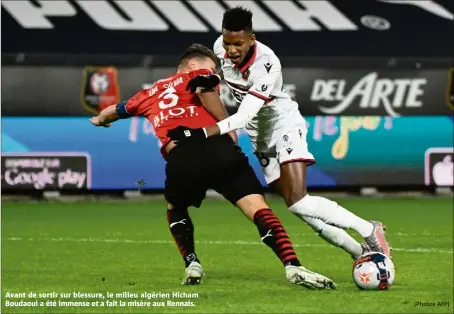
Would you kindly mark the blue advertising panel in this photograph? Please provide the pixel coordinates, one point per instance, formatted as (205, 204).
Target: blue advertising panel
(70, 153)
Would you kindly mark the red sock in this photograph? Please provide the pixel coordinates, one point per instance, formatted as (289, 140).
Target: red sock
(274, 235)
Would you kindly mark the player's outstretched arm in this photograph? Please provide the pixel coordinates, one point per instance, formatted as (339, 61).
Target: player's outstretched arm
(106, 117)
(134, 106)
(213, 104)
(248, 109)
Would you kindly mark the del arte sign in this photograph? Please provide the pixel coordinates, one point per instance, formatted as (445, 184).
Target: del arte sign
(334, 97)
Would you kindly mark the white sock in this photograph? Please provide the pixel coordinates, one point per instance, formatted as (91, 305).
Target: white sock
(331, 213)
(335, 236)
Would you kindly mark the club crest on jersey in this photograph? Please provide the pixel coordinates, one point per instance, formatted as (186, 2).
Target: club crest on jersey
(100, 88)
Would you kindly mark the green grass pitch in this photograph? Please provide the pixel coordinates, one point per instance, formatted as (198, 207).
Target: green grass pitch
(126, 247)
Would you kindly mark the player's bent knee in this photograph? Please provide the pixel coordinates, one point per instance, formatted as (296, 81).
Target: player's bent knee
(293, 194)
(251, 204)
(306, 207)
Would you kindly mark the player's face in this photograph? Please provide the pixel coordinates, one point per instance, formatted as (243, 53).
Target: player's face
(237, 44)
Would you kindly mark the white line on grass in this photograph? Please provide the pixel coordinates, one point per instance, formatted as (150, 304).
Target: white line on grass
(314, 234)
(238, 242)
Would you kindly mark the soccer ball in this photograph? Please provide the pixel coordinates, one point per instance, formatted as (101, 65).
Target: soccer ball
(373, 271)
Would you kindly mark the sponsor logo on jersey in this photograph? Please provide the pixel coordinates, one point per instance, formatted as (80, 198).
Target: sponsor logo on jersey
(370, 92)
(205, 16)
(268, 67)
(100, 88)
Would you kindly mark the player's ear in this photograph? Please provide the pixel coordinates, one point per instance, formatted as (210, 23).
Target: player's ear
(192, 64)
(253, 38)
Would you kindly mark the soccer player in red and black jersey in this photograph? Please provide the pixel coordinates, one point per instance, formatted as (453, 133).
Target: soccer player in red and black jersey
(217, 163)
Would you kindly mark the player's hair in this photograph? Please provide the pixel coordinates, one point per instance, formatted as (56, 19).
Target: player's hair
(197, 51)
(237, 19)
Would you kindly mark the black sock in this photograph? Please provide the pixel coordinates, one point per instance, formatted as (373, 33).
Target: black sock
(274, 235)
(182, 230)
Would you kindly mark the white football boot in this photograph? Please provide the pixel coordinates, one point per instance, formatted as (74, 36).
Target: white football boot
(298, 275)
(193, 274)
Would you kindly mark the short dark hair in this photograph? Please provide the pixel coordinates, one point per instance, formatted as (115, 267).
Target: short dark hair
(197, 51)
(237, 19)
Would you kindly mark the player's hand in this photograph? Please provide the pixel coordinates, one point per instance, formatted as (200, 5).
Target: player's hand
(185, 134)
(96, 121)
(234, 137)
(204, 81)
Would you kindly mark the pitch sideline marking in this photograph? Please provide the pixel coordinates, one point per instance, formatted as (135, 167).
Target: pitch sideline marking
(315, 234)
(238, 242)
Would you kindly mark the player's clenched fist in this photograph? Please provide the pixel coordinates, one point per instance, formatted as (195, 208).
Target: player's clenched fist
(183, 133)
(203, 81)
(97, 121)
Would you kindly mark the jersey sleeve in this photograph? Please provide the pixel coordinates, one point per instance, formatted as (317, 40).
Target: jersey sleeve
(218, 49)
(265, 73)
(135, 105)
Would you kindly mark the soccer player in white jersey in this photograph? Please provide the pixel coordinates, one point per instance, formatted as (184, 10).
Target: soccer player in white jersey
(278, 134)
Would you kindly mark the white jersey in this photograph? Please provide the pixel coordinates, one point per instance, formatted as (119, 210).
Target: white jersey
(261, 76)
(278, 131)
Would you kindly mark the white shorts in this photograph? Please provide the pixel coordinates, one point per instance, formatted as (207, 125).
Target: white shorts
(285, 146)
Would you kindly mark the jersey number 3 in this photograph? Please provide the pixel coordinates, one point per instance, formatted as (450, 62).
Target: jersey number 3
(170, 96)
